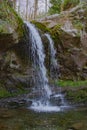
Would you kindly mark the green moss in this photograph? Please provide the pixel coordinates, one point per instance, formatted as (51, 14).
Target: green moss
(76, 91)
(55, 32)
(18, 21)
(4, 93)
(71, 83)
(10, 17)
(41, 26)
(77, 24)
(79, 96)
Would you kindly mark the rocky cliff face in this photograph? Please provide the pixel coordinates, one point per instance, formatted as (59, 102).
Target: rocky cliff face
(69, 31)
(13, 55)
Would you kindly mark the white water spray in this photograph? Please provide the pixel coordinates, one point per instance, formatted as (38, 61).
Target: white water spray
(38, 57)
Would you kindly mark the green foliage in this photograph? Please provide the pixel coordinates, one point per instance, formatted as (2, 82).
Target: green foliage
(76, 91)
(4, 93)
(69, 4)
(58, 5)
(71, 83)
(77, 24)
(77, 97)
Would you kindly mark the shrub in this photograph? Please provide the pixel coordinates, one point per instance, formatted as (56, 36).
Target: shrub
(58, 5)
(69, 4)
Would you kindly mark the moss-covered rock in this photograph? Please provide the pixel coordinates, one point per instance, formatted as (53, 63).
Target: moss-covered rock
(41, 26)
(77, 95)
(14, 73)
(11, 26)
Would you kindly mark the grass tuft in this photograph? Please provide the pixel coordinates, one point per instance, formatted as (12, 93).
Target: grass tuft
(71, 83)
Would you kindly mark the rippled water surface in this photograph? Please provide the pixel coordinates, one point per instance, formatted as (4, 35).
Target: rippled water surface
(24, 119)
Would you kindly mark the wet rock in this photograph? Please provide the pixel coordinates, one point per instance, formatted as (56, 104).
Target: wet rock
(19, 103)
(56, 100)
(15, 102)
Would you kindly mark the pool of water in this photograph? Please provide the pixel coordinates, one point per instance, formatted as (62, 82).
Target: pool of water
(24, 119)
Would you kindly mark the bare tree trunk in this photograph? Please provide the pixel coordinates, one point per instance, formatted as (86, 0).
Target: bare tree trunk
(46, 6)
(19, 7)
(35, 8)
(27, 3)
(14, 3)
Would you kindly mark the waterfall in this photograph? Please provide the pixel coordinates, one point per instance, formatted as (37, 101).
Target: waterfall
(37, 56)
(53, 60)
(54, 67)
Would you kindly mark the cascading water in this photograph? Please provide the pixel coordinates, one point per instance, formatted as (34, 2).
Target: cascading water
(38, 58)
(52, 50)
(53, 60)
(54, 67)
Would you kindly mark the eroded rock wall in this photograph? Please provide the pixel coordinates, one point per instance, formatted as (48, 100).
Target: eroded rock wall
(69, 31)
